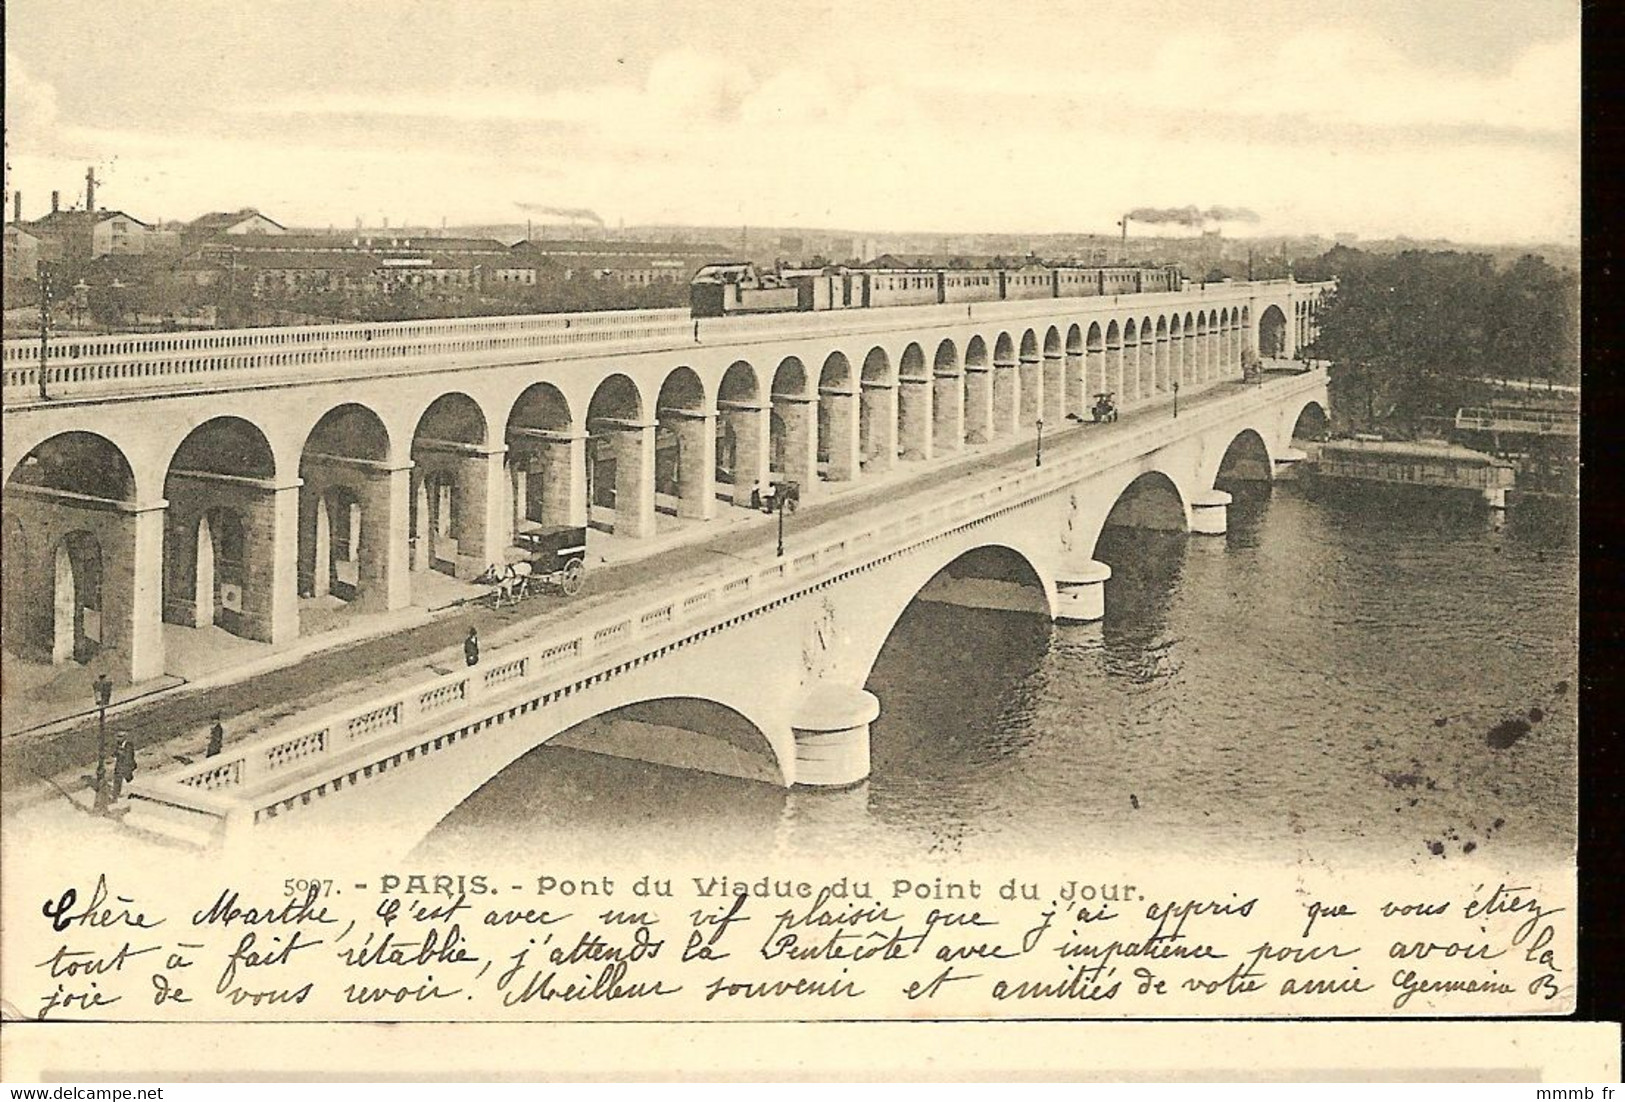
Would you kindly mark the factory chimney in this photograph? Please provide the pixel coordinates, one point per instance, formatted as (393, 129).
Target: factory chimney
(56, 201)
(90, 189)
(16, 206)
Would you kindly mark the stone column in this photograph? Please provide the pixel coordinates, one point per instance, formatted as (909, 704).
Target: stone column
(877, 436)
(281, 573)
(978, 404)
(140, 575)
(1077, 386)
(1030, 384)
(559, 461)
(1080, 590)
(634, 478)
(1163, 379)
(1054, 404)
(1006, 409)
(696, 463)
(482, 530)
(831, 729)
(751, 428)
(1209, 513)
(845, 460)
(383, 571)
(1130, 371)
(915, 419)
(947, 413)
(1094, 374)
(1114, 374)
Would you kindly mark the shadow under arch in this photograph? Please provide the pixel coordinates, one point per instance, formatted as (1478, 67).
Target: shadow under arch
(656, 768)
(958, 663)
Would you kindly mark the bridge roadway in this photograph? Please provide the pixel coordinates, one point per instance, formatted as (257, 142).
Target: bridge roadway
(260, 482)
(787, 644)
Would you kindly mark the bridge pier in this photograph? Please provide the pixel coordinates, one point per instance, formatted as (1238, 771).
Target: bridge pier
(831, 729)
(947, 413)
(1054, 392)
(914, 418)
(1080, 590)
(1077, 387)
(1288, 464)
(751, 427)
(800, 416)
(1030, 384)
(696, 433)
(877, 433)
(1005, 409)
(838, 409)
(1210, 513)
(978, 404)
(634, 446)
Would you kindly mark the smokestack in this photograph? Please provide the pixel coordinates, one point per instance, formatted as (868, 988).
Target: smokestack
(90, 189)
(56, 201)
(16, 206)
(1124, 224)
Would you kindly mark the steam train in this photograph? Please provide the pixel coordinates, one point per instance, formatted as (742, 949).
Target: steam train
(734, 288)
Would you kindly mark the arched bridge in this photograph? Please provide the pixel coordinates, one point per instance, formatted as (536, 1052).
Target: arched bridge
(241, 481)
(785, 644)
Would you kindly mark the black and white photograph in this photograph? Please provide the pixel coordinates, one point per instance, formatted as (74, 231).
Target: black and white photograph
(693, 512)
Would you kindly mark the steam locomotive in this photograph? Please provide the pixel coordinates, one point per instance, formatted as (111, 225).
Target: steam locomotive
(738, 287)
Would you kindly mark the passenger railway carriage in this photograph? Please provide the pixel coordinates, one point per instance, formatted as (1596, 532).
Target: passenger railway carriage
(738, 287)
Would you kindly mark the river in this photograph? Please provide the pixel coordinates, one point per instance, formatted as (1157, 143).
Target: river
(1354, 676)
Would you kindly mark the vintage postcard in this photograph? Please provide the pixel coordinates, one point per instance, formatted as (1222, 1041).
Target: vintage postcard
(686, 513)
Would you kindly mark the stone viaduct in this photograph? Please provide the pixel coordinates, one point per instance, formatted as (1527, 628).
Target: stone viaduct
(231, 478)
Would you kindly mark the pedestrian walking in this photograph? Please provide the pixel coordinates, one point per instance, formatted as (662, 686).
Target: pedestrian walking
(471, 647)
(123, 765)
(217, 737)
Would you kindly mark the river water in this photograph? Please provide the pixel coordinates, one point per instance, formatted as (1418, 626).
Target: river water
(1342, 676)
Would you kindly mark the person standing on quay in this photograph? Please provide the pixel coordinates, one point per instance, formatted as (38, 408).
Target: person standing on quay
(123, 765)
(217, 737)
(471, 647)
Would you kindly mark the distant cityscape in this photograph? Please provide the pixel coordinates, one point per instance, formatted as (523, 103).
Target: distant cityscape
(101, 268)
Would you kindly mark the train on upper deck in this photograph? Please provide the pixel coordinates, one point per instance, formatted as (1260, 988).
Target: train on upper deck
(733, 288)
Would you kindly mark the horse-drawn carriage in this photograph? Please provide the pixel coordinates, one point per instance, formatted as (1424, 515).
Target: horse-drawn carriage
(1105, 407)
(555, 556)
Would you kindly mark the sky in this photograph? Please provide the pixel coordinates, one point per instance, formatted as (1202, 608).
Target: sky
(1433, 118)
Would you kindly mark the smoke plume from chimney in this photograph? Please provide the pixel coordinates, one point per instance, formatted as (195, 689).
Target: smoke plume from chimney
(580, 214)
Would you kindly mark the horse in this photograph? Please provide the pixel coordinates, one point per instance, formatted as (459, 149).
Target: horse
(507, 580)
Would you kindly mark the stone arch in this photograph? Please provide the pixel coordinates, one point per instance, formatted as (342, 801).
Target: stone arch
(915, 431)
(743, 727)
(545, 461)
(793, 430)
(346, 542)
(1075, 387)
(1095, 368)
(71, 546)
(1074, 339)
(839, 417)
(977, 393)
(1152, 500)
(1246, 458)
(685, 436)
(1311, 423)
(927, 570)
(447, 510)
(877, 412)
(620, 458)
(1272, 333)
(742, 422)
(220, 534)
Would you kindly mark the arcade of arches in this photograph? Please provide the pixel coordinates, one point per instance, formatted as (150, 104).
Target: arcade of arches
(244, 543)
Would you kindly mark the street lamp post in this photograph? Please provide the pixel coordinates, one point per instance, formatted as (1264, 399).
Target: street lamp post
(1176, 397)
(104, 696)
(44, 329)
(1039, 458)
(778, 507)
